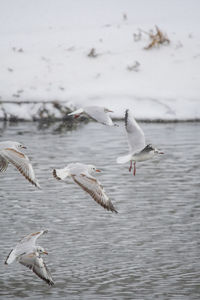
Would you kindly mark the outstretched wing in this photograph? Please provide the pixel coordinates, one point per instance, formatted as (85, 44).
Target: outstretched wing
(135, 134)
(76, 112)
(32, 237)
(3, 164)
(93, 187)
(99, 115)
(22, 163)
(25, 245)
(37, 265)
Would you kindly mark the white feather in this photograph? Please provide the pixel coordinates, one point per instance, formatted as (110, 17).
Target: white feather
(61, 174)
(124, 159)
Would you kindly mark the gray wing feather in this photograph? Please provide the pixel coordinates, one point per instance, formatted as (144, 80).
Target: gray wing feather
(93, 187)
(3, 164)
(37, 265)
(22, 163)
(99, 115)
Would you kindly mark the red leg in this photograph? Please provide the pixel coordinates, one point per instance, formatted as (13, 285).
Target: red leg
(134, 171)
(130, 166)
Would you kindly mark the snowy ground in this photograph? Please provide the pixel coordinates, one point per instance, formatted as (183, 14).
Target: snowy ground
(45, 46)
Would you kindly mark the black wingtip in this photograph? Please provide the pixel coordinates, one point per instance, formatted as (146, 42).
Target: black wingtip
(55, 174)
(115, 211)
(7, 257)
(50, 282)
(112, 208)
(38, 185)
(126, 117)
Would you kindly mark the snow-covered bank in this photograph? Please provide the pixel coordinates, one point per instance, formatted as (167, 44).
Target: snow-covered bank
(34, 110)
(168, 110)
(44, 57)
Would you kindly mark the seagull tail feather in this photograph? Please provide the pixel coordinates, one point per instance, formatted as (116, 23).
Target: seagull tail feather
(60, 174)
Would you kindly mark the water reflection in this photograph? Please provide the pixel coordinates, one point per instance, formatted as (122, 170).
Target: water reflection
(53, 127)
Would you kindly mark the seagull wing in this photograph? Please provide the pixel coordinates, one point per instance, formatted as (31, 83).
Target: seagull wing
(99, 115)
(32, 237)
(135, 134)
(25, 245)
(76, 112)
(3, 164)
(22, 163)
(93, 187)
(34, 262)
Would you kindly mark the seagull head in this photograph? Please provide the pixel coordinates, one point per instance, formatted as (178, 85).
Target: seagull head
(106, 110)
(157, 151)
(41, 250)
(92, 169)
(150, 148)
(76, 116)
(19, 146)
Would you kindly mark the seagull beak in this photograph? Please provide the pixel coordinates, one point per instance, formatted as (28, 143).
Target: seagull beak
(24, 147)
(97, 170)
(45, 252)
(76, 116)
(158, 151)
(110, 110)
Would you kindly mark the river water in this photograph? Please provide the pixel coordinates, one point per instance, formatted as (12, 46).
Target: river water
(149, 250)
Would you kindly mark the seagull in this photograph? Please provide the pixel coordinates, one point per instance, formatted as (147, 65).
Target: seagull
(139, 151)
(28, 254)
(97, 113)
(10, 152)
(81, 174)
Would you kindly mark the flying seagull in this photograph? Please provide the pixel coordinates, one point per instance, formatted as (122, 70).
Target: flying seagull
(97, 113)
(10, 152)
(82, 175)
(28, 254)
(139, 151)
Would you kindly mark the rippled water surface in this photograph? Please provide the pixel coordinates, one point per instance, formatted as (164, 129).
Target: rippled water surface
(150, 250)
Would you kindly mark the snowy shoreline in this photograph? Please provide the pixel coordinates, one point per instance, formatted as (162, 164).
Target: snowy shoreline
(56, 111)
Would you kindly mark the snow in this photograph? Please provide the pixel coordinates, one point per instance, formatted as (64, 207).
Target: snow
(45, 46)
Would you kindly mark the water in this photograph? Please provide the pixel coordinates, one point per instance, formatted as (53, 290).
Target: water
(150, 250)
